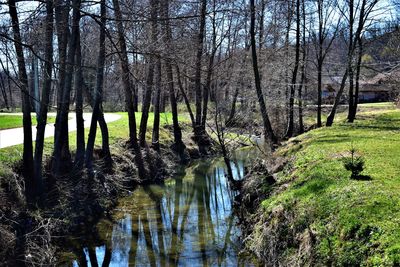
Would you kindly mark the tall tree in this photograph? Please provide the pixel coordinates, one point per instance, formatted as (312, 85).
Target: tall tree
(268, 131)
(214, 48)
(155, 141)
(357, 12)
(61, 153)
(323, 41)
(27, 157)
(80, 129)
(98, 93)
(303, 71)
(290, 127)
(199, 131)
(44, 103)
(178, 145)
(353, 106)
(128, 90)
(150, 73)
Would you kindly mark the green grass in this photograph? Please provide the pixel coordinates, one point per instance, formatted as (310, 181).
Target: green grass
(118, 131)
(310, 116)
(356, 222)
(15, 121)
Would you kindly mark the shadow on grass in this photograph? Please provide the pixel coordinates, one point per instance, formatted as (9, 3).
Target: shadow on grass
(362, 178)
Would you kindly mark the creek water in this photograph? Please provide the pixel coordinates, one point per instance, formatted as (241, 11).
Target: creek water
(187, 221)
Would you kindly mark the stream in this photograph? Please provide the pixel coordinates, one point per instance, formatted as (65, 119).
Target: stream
(187, 221)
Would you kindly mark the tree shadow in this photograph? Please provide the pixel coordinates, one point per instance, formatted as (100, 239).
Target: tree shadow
(362, 178)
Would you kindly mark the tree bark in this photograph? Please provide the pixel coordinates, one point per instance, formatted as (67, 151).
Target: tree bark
(61, 152)
(98, 90)
(150, 74)
(353, 110)
(128, 90)
(206, 89)
(290, 127)
(80, 129)
(156, 125)
(350, 60)
(185, 97)
(268, 131)
(27, 157)
(61, 155)
(198, 65)
(44, 103)
(303, 81)
(178, 145)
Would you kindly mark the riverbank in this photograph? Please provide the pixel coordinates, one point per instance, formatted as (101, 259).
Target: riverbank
(75, 202)
(309, 211)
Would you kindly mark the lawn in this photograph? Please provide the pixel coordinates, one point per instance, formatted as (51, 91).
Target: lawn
(15, 121)
(310, 116)
(118, 131)
(356, 222)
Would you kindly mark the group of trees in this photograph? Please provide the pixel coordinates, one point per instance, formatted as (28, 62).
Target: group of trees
(158, 52)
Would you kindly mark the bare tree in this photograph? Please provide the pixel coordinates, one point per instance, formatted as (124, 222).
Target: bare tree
(27, 157)
(44, 103)
(128, 90)
(361, 11)
(178, 146)
(268, 131)
(290, 127)
(98, 93)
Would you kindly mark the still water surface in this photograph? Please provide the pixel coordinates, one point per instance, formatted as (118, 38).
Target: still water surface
(187, 221)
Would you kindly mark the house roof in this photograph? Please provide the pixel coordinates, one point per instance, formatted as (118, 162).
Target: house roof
(385, 78)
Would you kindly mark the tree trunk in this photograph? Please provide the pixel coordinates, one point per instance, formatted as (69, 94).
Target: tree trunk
(27, 158)
(303, 70)
(61, 152)
(319, 91)
(185, 97)
(150, 74)
(268, 131)
(231, 119)
(290, 128)
(42, 118)
(206, 89)
(128, 89)
(98, 91)
(61, 155)
(178, 146)
(353, 111)
(320, 61)
(156, 126)
(199, 55)
(80, 129)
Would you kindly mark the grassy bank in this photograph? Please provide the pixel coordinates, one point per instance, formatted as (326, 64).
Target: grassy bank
(15, 121)
(316, 214)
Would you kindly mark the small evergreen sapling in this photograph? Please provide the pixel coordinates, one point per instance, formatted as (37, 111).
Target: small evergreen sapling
(354, 163)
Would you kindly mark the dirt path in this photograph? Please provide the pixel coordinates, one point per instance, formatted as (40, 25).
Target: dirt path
(12, 137)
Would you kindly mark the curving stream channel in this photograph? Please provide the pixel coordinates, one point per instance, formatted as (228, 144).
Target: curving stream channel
(187, 221)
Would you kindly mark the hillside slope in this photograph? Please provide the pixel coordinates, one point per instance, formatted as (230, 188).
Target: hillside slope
(316, 215)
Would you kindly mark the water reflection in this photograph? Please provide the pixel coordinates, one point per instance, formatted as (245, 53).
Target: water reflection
(187, 221)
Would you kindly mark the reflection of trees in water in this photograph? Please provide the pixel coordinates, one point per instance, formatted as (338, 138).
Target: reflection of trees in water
(186, 221)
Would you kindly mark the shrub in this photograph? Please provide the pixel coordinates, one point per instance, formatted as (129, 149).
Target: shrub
(354, 163)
